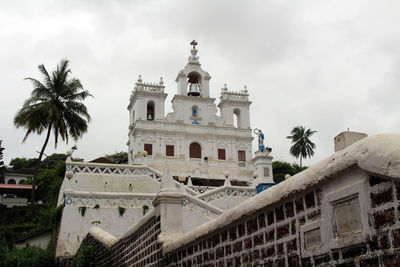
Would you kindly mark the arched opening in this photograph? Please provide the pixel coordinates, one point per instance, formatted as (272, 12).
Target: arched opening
(195, 111)
(236, 118)
(194, 79)
(21, 181)
(195, 151)
(150, 110)
(11, 181)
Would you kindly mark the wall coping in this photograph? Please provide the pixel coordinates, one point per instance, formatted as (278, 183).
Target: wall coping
(107, 194)
(205, 205)
(102, 236)
(377, 154)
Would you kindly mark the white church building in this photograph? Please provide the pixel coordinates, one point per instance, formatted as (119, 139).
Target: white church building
(192, 140)
(208, 155)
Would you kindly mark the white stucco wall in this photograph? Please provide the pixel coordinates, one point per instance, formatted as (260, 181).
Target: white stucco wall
(74, 226)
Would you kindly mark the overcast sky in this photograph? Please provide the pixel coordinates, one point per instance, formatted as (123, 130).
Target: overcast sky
(327, 65)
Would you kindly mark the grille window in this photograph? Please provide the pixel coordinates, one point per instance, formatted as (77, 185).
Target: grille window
(169, 150)
(241, 155)
(221, 154)
(195, 151)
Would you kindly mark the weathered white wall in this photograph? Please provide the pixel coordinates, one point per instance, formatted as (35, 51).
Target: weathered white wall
(74, 226)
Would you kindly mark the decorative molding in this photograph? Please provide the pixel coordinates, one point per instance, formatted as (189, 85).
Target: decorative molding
(118, 169)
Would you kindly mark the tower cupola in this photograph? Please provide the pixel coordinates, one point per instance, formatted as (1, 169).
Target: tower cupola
(193, 80)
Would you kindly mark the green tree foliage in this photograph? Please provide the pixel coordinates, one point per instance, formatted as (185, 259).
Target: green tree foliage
(86, 256)
(281, 168)
(55, 105)
(118, 157)
(2, 167)
(27, 256)
(302, 146)
(22, 163)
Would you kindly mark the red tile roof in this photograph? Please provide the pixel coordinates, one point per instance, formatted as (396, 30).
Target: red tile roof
(17, 186)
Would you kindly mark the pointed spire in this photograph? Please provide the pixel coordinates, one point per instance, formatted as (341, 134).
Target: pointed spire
(225, 88)
(245, 89)
(189, 183)
(140, 79)
(161, 81)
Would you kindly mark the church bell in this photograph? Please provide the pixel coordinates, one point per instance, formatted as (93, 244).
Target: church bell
(194, 89)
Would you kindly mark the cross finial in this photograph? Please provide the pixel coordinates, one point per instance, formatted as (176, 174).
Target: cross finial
(194, 43)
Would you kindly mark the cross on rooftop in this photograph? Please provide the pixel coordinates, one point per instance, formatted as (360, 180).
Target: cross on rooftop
(194, 43)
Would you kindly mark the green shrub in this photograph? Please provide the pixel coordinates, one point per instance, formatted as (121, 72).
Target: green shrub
(82, 211)
(86, 256)
(27, 256)
(121, 211)
(145, 209)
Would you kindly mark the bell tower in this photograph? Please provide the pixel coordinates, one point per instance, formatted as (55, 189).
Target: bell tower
(193, 80)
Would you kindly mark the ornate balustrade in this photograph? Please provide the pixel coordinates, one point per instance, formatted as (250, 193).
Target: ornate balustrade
(235, 96)
(150, 87)
(120, 169)
(228, 191)
(199, 206)
(201, 189)
(104, 199)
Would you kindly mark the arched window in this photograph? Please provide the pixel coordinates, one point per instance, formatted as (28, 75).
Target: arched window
(195, 151)
(11, 181)
(21, 181)
(194, 87)
(195, 111)
(150, 110)
(236, 118)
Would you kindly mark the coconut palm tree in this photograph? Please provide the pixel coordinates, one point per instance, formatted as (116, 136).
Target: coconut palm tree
(302, 146)
(54, 105)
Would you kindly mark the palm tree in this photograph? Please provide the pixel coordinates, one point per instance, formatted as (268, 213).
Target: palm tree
(54, 105)
(302, 146)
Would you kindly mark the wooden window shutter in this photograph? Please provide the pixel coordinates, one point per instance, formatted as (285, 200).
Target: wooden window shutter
(221, 154)
(195, 151)
(241, 155)
(169, 150)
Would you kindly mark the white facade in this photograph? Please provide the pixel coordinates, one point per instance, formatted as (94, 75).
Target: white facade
(225, 140)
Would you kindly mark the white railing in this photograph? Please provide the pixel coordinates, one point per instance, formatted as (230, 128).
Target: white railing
(188, 190)
(196, 205)
(234, 96)
(201, 189)
(150, 87)
(228, 191)
(106, 199)
(119, 169)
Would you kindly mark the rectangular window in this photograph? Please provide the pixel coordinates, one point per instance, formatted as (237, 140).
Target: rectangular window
(266, 172)
(169, 150)
(148, 148)
(221, 154)
(241, 155)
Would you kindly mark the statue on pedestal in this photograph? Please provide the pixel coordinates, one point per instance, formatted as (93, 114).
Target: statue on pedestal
(260, 134)
(261, 146)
